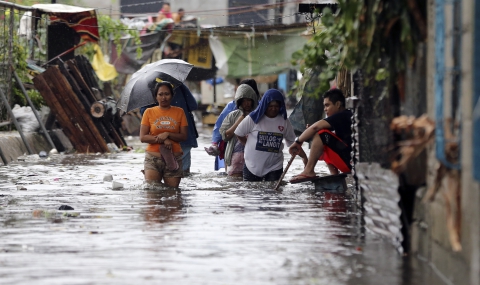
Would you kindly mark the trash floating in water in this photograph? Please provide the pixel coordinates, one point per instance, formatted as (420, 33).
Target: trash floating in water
(43, 154)
(66, 208)
(108, 177)
(116, 185)
(21, 188)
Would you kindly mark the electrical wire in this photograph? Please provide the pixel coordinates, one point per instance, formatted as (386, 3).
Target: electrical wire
(269, 6)
(216, 29)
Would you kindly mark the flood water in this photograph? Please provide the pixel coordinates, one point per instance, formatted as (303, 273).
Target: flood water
(214, 230)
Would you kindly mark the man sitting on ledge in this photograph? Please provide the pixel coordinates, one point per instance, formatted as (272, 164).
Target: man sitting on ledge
(333, 142)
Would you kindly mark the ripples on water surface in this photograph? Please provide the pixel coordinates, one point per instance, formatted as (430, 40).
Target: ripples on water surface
(214, 230)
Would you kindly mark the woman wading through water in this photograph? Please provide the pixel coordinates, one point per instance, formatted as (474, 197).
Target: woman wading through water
(163, 127)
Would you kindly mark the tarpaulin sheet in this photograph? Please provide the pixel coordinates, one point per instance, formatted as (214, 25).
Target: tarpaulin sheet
(255, 54)
(310, 107)
(103, 69)
(128, 63)
(82, 20)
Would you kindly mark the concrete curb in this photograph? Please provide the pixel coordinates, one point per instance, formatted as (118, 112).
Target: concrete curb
(12, 146)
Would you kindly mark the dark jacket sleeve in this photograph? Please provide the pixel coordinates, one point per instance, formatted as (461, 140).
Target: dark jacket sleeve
(189, 99)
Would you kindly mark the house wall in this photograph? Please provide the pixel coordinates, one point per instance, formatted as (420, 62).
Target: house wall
(430, 236)
(470, 234)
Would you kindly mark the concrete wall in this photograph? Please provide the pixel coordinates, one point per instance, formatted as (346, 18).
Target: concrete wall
(470, 234)
(12, 146)
(429, 232)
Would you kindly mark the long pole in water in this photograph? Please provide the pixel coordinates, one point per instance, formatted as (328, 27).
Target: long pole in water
(285, 171)
(39, 119)
(17, 125)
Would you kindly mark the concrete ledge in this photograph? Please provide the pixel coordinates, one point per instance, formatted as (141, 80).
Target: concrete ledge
(12, 146)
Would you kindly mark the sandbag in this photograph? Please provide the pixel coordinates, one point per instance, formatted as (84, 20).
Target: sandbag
(26, 118)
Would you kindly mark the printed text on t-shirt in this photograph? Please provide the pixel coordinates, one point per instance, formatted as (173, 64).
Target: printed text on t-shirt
(164, 122)
(269, 141)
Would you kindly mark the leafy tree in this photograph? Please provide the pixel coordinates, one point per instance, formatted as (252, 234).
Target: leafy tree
(377, 36)
(110, 29)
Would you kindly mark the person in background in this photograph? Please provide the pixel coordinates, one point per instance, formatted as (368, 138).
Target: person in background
(331, 139)
(246, 101)
(184, 99)
(262, 132)
(178, 17)
(163, 127)
(164, 13)
(216, 136)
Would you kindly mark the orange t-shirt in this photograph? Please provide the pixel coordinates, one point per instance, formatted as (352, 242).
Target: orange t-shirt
(161, 121)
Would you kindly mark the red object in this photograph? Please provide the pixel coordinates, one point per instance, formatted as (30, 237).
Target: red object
(221, 147)
(84, 23)
(331, 157)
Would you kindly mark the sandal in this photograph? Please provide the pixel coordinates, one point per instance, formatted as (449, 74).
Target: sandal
(302, 178)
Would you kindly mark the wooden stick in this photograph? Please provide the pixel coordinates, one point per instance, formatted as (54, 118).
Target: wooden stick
(285, 171)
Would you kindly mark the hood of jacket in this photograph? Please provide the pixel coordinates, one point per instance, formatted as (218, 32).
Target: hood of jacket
(244, 91)
(269, 96)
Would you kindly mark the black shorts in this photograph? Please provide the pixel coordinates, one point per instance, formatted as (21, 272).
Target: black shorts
(271, 176)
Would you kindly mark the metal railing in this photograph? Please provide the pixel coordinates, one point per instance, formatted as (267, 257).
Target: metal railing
(20, 35)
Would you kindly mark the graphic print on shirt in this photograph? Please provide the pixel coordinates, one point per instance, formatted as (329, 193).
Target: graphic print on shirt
(269, 141)
(165, 123)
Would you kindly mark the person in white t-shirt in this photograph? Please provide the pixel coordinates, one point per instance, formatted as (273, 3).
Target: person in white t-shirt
(262, 132)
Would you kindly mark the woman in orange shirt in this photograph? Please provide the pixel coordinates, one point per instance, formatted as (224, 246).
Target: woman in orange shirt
(163, 127)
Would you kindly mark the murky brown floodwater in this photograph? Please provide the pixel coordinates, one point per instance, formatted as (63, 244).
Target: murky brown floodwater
(212, 231)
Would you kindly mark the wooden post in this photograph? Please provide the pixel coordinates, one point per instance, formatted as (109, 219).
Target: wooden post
(77, 74)
(98, 130)
(78, 141)
(61, 87)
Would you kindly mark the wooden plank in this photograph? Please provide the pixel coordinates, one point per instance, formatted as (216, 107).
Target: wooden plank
(84, 120)
(85, 68)
(99, 132)
(69, 129)
(112, 131)
(72, 65)
(103, 126)
(61, 89)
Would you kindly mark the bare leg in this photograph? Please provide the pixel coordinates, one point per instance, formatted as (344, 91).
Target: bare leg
(172, 181)
(316, 151)
(152, 176)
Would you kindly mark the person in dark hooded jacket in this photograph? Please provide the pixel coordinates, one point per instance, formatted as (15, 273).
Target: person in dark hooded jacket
(246, 101)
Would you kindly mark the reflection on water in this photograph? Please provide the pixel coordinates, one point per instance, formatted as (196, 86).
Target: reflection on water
(163, 205)
(212, 230)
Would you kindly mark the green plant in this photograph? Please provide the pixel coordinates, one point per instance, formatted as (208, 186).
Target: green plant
(19, 62)
(110, 29)
(377, 36)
